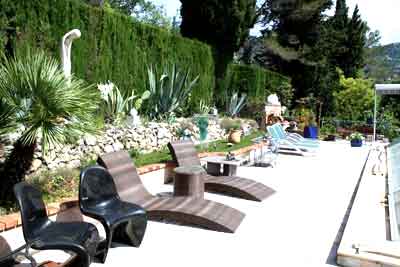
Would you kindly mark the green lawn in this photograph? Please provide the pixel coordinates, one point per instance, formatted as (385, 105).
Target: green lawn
(217, 146)
(62, 183)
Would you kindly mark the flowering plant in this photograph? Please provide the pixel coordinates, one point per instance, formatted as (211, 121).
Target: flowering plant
(356, 136)
(105, 89)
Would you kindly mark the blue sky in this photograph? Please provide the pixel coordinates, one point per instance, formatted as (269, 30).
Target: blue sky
(382, 15)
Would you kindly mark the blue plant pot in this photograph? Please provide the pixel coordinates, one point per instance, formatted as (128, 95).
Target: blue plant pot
(356, 143)
(310, 132)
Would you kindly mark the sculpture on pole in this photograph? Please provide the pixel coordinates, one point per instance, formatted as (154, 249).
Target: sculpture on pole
(66, 45)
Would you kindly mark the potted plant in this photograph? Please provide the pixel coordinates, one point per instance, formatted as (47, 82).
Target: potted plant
(356, 139)
(201, 120)
(329, 131)
(311, 129)
(232, 127)
(202, 123)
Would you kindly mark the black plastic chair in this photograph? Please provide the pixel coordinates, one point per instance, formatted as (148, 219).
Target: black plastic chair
(41, 233)
(98, 198)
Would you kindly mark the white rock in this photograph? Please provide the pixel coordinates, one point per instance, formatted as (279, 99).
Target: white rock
(117, 146)
(97, 150)
(74, 163)
(36, 164)
(49, 156)
(108, 149)
(66, 158)
(163, 133)
(90, 140)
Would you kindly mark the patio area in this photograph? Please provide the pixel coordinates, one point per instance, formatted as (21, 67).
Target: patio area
(296, 226)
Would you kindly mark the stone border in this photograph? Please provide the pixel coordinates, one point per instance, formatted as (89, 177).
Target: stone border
(377, 251)
(11, 221)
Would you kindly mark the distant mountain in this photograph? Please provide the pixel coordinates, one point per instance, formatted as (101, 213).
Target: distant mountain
(383, 62)
(392, 51)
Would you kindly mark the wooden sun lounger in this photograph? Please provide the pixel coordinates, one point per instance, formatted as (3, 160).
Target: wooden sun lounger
(184, 153)
(192, 211)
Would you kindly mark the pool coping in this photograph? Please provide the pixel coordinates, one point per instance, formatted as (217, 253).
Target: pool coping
(354, 251)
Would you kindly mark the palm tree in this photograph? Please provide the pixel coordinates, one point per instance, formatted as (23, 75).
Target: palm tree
(37, 99)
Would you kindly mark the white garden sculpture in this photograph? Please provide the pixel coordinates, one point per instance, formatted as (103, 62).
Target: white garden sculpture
(134, 119)
(273, 110)
(273, 100)
(66, 45)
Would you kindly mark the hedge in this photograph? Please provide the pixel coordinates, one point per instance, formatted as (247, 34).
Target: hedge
(258, 83)
(112, 47)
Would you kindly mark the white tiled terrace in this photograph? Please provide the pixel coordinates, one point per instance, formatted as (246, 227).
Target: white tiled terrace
(297, 226)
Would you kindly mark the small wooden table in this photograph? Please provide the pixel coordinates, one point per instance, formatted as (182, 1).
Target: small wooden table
(229, 166)
(189, 181)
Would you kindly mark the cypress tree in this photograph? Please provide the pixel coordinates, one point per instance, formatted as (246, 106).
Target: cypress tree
(341, 17)
(223, 24)
(356, 33)
(349, 40)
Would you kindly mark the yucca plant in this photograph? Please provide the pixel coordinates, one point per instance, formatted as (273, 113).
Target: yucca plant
(46, 105)
(170, 91)
(236, 104)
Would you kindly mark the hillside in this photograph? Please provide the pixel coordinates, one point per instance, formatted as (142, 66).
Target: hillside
(383, 62)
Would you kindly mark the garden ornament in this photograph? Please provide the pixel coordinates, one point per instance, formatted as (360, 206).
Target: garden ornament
(214, 111)
(66, 45)
(273, 100)
(134, 118)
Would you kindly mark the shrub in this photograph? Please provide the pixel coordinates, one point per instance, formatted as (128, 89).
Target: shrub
(327, 128)
(258, 83)
(57, 184)
(230, 124)
(112, 47)
(387, 124)
(354, 98)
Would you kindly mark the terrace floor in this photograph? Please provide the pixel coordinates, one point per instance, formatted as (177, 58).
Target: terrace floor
(297, 226)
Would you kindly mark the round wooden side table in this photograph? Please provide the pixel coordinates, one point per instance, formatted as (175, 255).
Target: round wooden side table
(189, 181)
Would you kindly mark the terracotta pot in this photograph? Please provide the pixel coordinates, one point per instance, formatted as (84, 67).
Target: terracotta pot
(234, 136)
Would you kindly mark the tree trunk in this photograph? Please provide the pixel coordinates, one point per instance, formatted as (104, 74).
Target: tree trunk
(16, 166)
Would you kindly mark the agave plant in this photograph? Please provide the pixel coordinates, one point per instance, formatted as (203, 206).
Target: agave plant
(236, 104)
(36, 94)
(170, 91)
